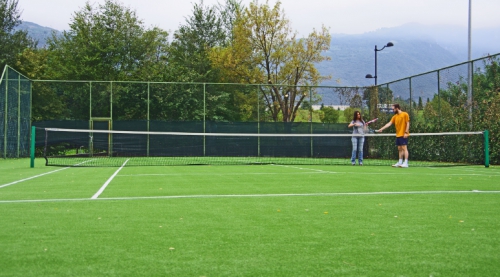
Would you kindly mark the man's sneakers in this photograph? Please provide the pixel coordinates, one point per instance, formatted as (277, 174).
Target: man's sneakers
(405, 165)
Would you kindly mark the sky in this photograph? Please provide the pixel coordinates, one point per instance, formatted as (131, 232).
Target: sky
(340, 16)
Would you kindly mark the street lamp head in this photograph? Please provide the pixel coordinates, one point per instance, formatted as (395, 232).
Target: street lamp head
(369, 76)
(389, 44)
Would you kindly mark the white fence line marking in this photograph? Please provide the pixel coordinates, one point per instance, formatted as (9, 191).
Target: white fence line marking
(108, 181)
(253, 195)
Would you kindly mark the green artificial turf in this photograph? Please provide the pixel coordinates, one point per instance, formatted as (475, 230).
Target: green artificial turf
(254, 220)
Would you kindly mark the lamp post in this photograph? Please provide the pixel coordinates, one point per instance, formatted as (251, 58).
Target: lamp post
(389, 44)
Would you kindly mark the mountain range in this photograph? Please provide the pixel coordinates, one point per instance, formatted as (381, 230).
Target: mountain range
(417, 49)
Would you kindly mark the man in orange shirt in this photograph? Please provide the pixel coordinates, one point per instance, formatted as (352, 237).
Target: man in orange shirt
(401, 121)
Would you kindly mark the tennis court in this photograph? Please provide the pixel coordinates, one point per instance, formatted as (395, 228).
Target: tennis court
(249, 220)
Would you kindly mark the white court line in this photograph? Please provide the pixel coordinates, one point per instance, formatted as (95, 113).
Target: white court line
(108, 181)
(222, 174)
(469, 169)
(312, 169)
(301, 173)
(252, 196)
(33, 177)
(391, 173)
(40, 175)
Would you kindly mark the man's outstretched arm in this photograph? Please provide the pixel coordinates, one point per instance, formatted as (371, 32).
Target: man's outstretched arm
(385, 127)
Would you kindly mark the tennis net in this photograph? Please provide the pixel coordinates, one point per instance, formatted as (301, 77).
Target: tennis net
(78, 147)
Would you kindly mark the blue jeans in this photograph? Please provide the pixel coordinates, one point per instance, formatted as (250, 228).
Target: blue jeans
(357, 147)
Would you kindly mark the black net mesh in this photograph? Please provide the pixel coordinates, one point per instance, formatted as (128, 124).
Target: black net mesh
(274, 143)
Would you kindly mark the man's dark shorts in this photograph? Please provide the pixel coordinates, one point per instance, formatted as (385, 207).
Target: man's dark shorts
(401, 141)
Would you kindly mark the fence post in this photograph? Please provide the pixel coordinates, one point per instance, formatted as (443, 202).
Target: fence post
(486, 148)
(204, 118)
(148, 119)
(258, 120)
(311, 121)
(439, 100)
(32, 147)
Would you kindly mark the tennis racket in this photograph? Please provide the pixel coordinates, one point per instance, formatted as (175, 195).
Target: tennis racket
(372, 121)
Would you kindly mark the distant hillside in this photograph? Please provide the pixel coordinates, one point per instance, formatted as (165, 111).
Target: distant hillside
(417, 49)
(452, 38)
(352, 57)
(39, 33)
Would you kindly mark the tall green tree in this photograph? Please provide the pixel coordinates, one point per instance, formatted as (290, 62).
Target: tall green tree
(265, 50)
(107, 42)
(420, 104)
(46, 103)
(207, 27)
(12, 43)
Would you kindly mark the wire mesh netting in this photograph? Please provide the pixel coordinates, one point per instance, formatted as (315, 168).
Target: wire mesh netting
(437, 101)
(76, 147)
(15, 114)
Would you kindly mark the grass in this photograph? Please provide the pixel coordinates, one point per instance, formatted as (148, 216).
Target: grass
(259, 220)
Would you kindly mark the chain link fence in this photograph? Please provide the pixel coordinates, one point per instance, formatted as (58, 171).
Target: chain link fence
(438, 101)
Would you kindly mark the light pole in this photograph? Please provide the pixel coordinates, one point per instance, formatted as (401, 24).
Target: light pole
(389, 44)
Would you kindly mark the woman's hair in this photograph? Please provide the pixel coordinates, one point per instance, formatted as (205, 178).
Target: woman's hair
(355, 116)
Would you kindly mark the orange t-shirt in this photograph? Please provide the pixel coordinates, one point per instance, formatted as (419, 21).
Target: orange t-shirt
(400, 120)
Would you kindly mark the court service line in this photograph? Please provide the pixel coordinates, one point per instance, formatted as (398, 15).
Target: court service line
(311, 169)
(108, 181)
(253, 196)
(304, 172)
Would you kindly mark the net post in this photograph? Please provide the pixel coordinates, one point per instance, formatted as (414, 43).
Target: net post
(32, 147)
(6, 112)
(18, 114)
(486, 148)
(147, 147)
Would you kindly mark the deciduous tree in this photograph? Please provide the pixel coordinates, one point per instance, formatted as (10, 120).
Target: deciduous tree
(12, 43)
(265, 50)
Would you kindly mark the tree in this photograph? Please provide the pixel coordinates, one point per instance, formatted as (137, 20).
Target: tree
(207, 27)
(306, 105)
(420, 104)
(356, 101)
(266, 51)
(193, 40)
(46, 104)
(12, 43)
(108, 42)
(329, 115)
(348, 114)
